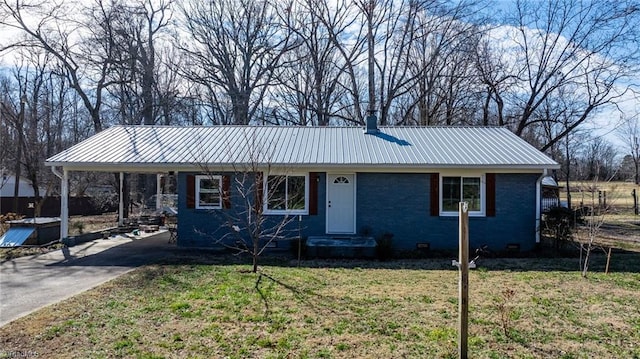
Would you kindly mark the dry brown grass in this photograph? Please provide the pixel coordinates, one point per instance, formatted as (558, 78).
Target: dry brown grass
(86, 224)
(620, 226)
(343, 309)
(618, 194)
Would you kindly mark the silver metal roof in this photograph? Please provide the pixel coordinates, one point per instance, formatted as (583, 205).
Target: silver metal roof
(177, 148)
(549, 182)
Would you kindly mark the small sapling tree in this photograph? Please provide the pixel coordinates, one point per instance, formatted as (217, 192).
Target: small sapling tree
(245, 189)
(596, 207)
(248, 229)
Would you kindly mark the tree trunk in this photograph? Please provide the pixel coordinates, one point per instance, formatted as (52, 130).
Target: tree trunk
(585, 267)
(18, 167)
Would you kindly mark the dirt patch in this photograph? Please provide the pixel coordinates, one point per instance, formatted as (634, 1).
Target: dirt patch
(86, 224)
(621, 230)
(620, 234)
(77, 225)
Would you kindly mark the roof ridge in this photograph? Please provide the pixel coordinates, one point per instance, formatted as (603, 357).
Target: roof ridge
(302, 127)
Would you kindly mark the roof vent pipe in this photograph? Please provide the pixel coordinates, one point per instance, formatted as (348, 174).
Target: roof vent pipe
(372, 125)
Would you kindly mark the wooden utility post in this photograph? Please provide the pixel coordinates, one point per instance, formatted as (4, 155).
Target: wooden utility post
(463, 300)
(635, 201)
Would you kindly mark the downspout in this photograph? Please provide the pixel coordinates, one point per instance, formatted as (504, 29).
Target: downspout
(64, 201)
(539, 204)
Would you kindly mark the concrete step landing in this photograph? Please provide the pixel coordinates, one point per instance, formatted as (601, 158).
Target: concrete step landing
(341, 247)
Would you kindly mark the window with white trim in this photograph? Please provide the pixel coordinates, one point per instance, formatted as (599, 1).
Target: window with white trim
(456, 189)
(208, 192)
(286, 194)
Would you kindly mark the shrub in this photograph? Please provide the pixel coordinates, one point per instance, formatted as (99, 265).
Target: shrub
(559, 224)
(299, 246)
(384, 247)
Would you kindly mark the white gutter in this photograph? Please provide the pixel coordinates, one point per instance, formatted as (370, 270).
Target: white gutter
(56, 172)
(539, 204)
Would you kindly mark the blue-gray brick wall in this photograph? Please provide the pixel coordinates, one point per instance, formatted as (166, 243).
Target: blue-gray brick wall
(205, 228)
(397, 203)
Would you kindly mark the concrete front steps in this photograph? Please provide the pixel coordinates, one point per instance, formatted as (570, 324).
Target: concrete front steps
(341, 247)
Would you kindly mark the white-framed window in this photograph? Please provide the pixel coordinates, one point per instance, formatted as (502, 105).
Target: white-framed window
(208, 192)
(286, 194)
(466, 188)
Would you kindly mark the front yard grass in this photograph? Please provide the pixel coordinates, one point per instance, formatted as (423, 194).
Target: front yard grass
(213, 308)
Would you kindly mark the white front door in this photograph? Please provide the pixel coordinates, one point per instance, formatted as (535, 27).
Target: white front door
(341, 213)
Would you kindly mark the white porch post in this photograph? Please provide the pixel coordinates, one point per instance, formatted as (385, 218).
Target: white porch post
(158, 191)
(64, 205)
(121, 204)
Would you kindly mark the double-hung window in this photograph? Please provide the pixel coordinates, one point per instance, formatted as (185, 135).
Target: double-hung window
(456, 189)
(286, 194)
(208, 192)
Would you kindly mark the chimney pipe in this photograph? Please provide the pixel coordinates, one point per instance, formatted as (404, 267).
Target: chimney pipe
(372, 125)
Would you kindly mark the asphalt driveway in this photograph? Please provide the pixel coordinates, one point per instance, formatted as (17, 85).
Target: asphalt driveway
(30, 283)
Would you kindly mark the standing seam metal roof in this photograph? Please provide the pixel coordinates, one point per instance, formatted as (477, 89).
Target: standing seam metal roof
(282, 145)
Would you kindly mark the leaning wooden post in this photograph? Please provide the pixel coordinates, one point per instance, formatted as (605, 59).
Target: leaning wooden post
(463, 300)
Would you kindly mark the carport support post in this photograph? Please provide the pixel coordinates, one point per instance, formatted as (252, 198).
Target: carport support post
(158, 191)
(121, 204)
(64, 205)
(463, 300)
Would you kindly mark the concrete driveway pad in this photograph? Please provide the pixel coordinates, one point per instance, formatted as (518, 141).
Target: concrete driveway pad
(32, 282)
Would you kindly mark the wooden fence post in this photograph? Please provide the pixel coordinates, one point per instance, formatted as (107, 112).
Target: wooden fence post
(463, 300)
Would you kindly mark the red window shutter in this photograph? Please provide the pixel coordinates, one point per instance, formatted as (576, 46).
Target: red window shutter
(259, 192)
(435, 194)
(191, 191)
(313, 193)
(226, 194)
(491, 194)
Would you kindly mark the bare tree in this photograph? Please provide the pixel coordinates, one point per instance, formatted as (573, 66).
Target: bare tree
(36, 115)
(33, 110)
(629, 133)
(12, 110)
(311, 83)
(347, 31)
(571, 142)
(589, 232)
(599, 159)
(235, 48)
(424, 45)
(139, 34)
(497, 74)
(243, 194)
(85, 45)
(583, 48)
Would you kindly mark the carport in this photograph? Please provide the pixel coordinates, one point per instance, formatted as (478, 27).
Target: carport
(64, 195)
(103, 152)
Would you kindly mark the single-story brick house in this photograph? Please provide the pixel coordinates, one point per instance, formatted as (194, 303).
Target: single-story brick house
(335, 181)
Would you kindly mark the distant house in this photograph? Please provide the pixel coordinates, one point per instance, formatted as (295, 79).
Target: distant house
(7, 186)
(550, 193)
(337, 181)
